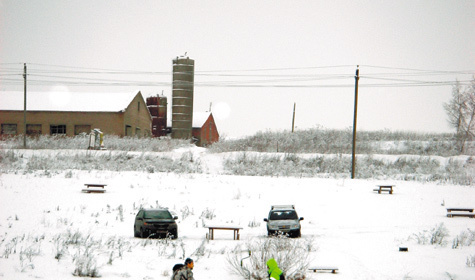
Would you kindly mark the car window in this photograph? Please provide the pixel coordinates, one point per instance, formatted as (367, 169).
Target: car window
(283, 215)
(157, 215)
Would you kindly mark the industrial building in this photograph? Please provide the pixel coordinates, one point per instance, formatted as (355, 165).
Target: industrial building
(204, 130)
(114, 114)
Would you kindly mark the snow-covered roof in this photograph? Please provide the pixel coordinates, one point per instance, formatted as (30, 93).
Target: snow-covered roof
(199, 118)
(67, 101)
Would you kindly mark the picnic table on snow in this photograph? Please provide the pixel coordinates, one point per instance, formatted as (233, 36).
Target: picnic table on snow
(385, 188)
(212, 228)
(94, 188)
(324, 268)
(457, 213)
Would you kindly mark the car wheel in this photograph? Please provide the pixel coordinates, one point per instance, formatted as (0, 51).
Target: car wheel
(173, 234)
(144, 233)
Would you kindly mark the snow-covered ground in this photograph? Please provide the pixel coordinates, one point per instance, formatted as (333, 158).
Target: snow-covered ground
(353, 228)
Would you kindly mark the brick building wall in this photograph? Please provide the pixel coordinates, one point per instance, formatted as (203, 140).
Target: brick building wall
(135, 120)
(207, 133)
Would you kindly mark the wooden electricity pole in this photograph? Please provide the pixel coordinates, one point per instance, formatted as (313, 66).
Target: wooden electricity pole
(353, 157)
(24, 106)
(293, 119)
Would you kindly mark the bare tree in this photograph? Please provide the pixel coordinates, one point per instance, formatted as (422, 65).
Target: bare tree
(461, 113)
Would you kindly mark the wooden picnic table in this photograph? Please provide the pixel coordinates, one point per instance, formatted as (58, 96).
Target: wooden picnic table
(469, 214)
(235, 229)
(95, 185)
(94, 188)
(384, 188)
(324, 268)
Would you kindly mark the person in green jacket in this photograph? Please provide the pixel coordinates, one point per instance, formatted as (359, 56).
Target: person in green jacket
(274, 271)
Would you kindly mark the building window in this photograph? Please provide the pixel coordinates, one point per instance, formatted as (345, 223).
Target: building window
(33, 129)
(82, 128)
(57, 129)
(138, 106)
(9, 129)
(137, 132)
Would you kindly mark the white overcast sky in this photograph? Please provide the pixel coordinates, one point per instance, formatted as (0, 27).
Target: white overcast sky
(306, 53)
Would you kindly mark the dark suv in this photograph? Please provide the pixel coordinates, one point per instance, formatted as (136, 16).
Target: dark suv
(283, 219)
(154, 223)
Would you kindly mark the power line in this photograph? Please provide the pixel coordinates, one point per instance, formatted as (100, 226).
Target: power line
(266, 77)
(219, 73)
(101, 70)
(231, 84)
(423, 70)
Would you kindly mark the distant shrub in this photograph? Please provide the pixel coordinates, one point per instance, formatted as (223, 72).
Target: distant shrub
(285, 165)
(329, 141)
(111, 142)
(185, 212)
(68, 174)
(101, 160)
(465, 238)
(292, 255)
(471, 261)
(60, 247)
(263, 154)
(85, 264)
(208, 214)
(435, 236)
(254, 223)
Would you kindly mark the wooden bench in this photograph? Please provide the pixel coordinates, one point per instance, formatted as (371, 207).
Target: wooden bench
(384, 188)
(330, 269)
(233, 228)
(94, 188)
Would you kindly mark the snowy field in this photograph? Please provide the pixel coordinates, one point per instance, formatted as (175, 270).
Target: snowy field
(352, 227)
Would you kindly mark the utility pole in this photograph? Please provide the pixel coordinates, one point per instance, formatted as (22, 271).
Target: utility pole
(24, 106)
(353, 157)
(293, 119)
